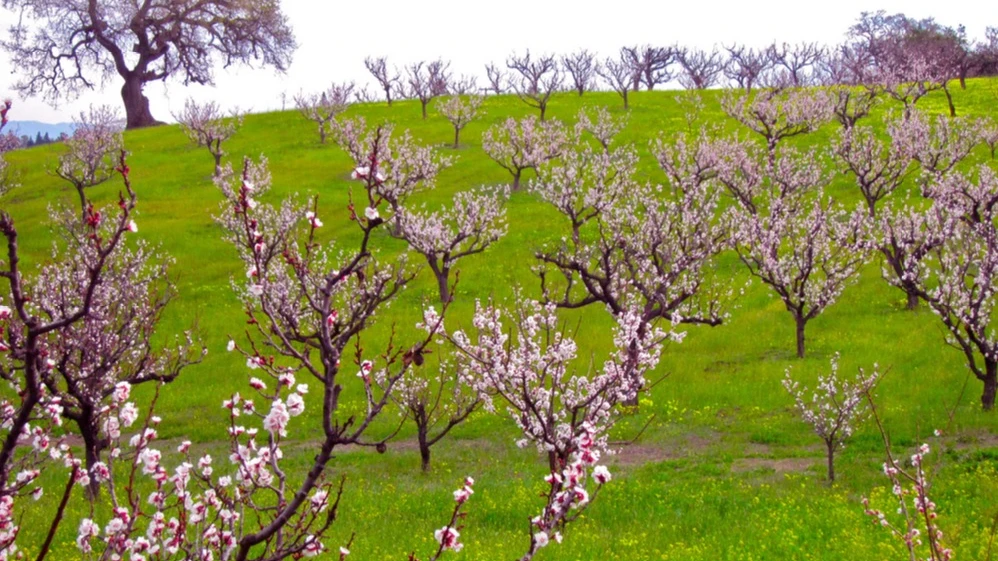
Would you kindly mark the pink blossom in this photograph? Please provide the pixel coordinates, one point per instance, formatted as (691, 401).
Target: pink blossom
(296, 405)
(276, 421)
(371, 213)
(601, 474)
(132, 226)
(447, 537)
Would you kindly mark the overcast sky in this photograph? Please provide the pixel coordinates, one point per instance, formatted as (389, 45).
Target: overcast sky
(333, 41)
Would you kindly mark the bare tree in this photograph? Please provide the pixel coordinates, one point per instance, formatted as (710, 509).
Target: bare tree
(796, 62)
(498, 79)
(324, 106)
(389, 82)
(62, 47)
(699, 69)
(460, 112)
(648, 64)
(92, 152)
(426, 80)
(582, 67)
(464, 85)
(205, 125)
(619, 75)
(746, 66)
(536, 79)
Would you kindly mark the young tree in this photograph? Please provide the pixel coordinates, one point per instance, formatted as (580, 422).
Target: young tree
(648, 64)
(835, 407)
(61, 47)
(92, 152)
(390, 83)
(582, 66)
(535, 79)
(436, 403)
(619, 75)
(205, 125)
(566, 413)
(460, 112)
(323, 107)
(699, 69)
(427, 80)
(524, 144)
(879, 167)
(604, 128)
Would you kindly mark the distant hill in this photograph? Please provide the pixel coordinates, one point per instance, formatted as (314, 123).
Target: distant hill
(32, 128)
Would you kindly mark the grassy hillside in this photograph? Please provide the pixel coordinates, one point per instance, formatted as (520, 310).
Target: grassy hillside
(724, 471)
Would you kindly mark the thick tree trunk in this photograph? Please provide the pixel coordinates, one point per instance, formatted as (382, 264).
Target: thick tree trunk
(949, 100)
(218, 164)
(424, 108)
(516, 179)
(137, 114)
(830, 446)
(912, 300)
(322, 133)
(801, 322)
(990, 385)
(543, 108)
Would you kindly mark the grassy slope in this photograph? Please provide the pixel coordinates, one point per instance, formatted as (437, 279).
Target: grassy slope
(724, 472)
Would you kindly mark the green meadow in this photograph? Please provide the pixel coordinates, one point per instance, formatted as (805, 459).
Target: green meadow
(724, 470)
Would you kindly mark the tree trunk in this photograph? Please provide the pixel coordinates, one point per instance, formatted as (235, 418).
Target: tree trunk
(137, 114)
(322, 133)
(83, 202)
(990, 385)
(92, 448)
(423, 103)
(830, 446)
(912, 300)
(949, 100)
(626, 106)
(516, 179)
(457, 137)
(543, 108)
(424, 451)
(218, 164)
(442, 285)
(801, 322)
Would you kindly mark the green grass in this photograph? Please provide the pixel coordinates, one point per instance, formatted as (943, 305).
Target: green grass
(724, 471)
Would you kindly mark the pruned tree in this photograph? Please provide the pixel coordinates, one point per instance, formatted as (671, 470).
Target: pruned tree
(390, 82)
(323, 107)
(777, 115)
(437, 400)
(648, 65)
(92, 151)
(604, 128)
(498, 79)
(475, 221)
(582, 67)
(535, 79)
(619, 75)
(805, 254)
(699, 69)
(835, 407)
(464, 85)
(852, 104)
(205, 125)
(746, 66)
(518, 145)
(906, 238)
(879, 167)
(426, 80)
(460, 112)
(795, 64)
(61, 47)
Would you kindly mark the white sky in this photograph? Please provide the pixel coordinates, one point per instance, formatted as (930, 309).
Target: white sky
(333, 40)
